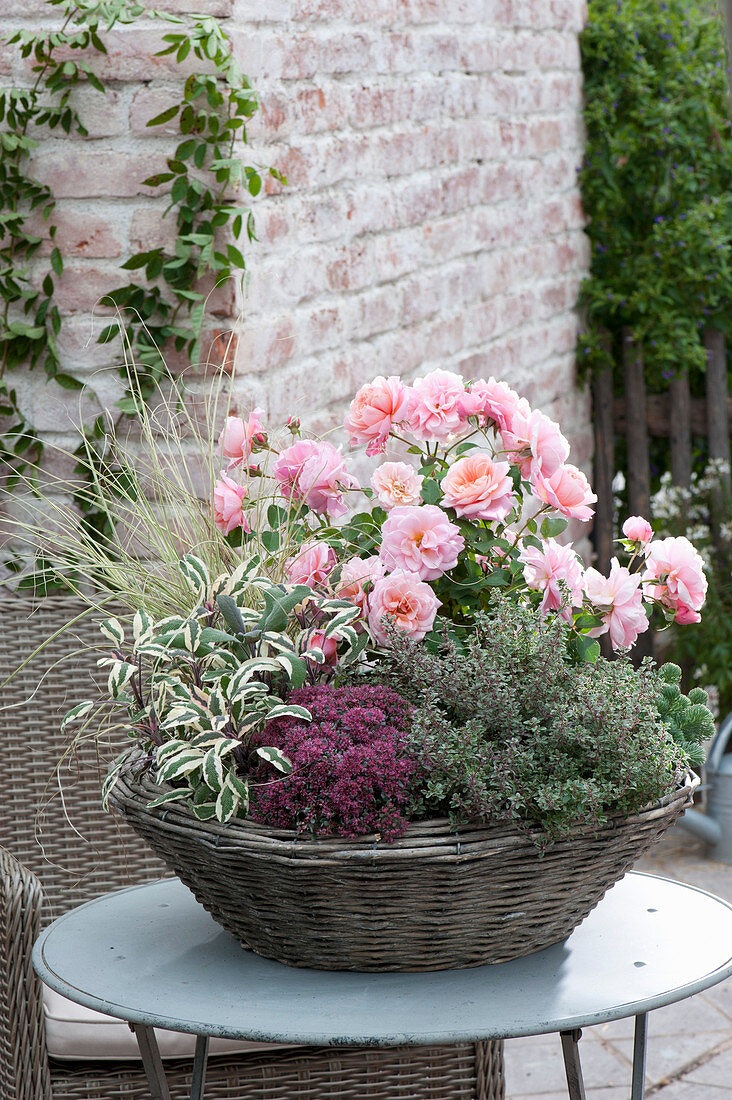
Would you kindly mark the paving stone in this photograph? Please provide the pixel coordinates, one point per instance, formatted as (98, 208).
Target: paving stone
(717, 1071)
(721, 997)
(681, 1090)
(670, 1053)
(534, 1066)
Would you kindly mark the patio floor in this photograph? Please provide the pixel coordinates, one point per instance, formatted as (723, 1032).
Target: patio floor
(690, 1043)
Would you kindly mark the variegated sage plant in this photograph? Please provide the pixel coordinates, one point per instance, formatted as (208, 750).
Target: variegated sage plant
(198, 687)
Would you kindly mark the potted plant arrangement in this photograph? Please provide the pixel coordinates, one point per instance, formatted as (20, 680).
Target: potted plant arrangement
(370, 724)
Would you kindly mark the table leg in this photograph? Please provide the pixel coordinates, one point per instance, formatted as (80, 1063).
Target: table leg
(199, 1068)
(152, 1061)
(570, 1050)
(639, 1057)
(155, 1071)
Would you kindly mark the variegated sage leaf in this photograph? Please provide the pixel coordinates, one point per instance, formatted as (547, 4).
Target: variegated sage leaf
(276, 758)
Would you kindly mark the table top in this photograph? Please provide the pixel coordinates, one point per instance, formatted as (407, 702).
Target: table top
(152, 955)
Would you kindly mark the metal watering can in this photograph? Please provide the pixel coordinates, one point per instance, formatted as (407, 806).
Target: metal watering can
(715, 826)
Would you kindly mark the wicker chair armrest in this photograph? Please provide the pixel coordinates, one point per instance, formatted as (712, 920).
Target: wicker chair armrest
(24, 1069)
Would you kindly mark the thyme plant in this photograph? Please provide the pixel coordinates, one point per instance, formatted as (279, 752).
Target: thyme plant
(513, 729)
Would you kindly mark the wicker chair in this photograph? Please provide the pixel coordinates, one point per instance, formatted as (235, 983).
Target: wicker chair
(46, 868)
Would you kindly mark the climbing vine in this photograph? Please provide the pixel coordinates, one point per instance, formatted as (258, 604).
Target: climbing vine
(206, 177)
(30, 321)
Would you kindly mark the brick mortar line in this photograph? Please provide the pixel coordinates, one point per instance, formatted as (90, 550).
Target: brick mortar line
(131, 204)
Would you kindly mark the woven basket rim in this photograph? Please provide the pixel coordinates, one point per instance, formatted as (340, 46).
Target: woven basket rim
(134, 788)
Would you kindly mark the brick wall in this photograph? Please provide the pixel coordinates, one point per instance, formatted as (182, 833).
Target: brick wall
(431, 217)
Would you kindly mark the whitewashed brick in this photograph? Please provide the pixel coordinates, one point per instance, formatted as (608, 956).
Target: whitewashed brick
(431, 219)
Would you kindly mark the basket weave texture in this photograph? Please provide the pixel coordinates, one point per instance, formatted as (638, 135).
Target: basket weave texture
(434, 899)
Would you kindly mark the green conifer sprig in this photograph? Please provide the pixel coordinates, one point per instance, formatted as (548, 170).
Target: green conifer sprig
(687, 717)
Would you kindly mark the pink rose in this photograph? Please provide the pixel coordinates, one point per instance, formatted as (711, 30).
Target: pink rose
(434, 411)
(356, 575)
(420, 539)
(405, 600)
(514, 429)
(227, 505)
(237, 438)
(375, 408)
(535, 443)
(396, 483)
(314, 472)
(638, 529)
(312, 564)
(478, 487)
(685, 615)
(675, 577)
(555, 571)
(491, 400)
(619, 601)
(567, 490)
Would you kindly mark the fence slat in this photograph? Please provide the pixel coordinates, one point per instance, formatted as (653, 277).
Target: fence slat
(639, 476)
(717, 403)
(680, 429)
(603, 408)
(658, 414)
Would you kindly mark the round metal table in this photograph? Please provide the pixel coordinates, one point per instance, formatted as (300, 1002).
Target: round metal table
(152, 956)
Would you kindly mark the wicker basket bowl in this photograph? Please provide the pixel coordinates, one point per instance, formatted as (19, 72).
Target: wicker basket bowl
(435, 899)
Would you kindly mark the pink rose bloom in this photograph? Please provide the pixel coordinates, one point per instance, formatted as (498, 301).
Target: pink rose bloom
(535, 443)
(638, 529)
(547, 570)
(675, 577)
(491, 400)
(396, 483)
(620, 602)
(329, 646)
(227, 505)
(478, 487)
(375, 408)
(514, 430)
(407, 601)
(237, 438)
(567, 490)
(312, 564)
(434, 411)
(355, 575)
(313, 471)
(420, 539)
(685, 615)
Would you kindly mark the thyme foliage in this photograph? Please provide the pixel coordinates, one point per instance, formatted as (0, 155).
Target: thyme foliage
(511, 729)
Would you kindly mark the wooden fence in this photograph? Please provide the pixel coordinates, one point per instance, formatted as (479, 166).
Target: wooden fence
(638, 415)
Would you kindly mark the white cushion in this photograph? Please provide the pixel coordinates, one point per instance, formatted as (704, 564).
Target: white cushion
(78, 1033)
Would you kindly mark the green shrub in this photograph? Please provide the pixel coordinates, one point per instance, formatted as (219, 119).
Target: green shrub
(656, 181)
